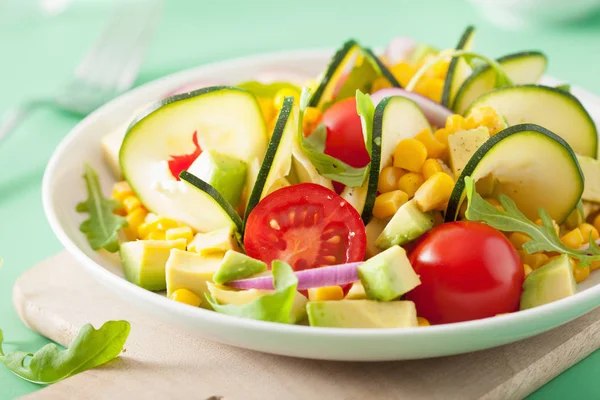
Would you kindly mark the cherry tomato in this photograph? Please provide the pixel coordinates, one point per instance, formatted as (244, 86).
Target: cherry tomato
(307, 226)
(468, 271)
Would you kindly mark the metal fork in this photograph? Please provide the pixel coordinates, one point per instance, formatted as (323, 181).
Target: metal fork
(107, 70)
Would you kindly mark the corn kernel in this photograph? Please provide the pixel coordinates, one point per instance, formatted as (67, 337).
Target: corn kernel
(325, 293)
(311, 119)
(595, 265)
(454, 123)
(556, 227)
(438, 70)
(441, 135)
(573, 239)
(121, 190)
(281, 95)
(527, 270)
(403, 72)
(422, 321)
(410, 154)
(134, 220)
(485, 116)
(518, 239)
(434, 89)
(186, 296)
(159, 224)
(431, 166)
(534, 260)
(388, 179)
(435, 148)
(580, 273)
(434, 192)
(387, 204)
(410, 182)
(155, 235)
(586, 230)
(131, 203)
(267, 109)
(182, 232)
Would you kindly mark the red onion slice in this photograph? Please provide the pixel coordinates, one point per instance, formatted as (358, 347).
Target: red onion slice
(334, 275)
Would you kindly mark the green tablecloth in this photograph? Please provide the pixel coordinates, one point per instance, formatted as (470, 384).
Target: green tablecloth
(37, 54)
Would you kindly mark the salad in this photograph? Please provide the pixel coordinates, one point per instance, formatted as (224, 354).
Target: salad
(416, 187)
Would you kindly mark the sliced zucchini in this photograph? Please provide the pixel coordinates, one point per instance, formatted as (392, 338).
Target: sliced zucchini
(522, 68)
(278, 158)
(459, 68)
(166, 129)
(554, 109)
(533, 166)
(396, 118)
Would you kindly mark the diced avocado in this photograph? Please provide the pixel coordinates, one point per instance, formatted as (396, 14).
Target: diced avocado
(407, 224)
(373, 229)
(224, 295)
(225, 173)
(549, 283)
(591, 172)
(362, 314)
(144, 261)
(356, 292)
(217, 241)
(388, 275)
(463, 144)
(190, 271)
(237, 266)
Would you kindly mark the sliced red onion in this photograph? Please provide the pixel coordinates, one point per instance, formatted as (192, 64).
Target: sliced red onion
(434, 112)
(398, 49)
(334, 275)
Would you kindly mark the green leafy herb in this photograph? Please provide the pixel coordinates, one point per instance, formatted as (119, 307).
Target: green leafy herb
(274, 307)
(314, 145)
(543, 238)
(267, 90)
(103, 226)
(90, 349)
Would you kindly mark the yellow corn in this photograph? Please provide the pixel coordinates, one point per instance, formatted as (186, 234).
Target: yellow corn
(403, 72)
(573, 239)
(182, 232)
(431, 166)
(454, 123)
(155, 235)
(441, 135)
(281, 95)
(595, 265)
(484, 116)
(434, 192)
(325, 293)
(134, 220)
(435, 148)
(311, 117)
(527, 270)
(518, 239)
(131, 203)
(422, 321)
(121, 190)
(434, 88)
(159, 224)
(580, 273)
(556, 227)
(586, 230)
(387, 204)
(380, 83)
(534, 260)
(388, 179)
(186, 296)
(410, 154)
(410, 182)
(267, 108)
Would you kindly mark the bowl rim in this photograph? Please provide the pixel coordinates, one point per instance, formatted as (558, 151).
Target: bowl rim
(160, 302)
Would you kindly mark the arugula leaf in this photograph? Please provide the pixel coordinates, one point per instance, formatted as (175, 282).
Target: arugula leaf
(543, 238)
(90, 349)
(268, 90)
(274, 307)
(314, 145)
(103, 226)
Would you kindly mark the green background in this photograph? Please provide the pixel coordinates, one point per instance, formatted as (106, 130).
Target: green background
(37, 55)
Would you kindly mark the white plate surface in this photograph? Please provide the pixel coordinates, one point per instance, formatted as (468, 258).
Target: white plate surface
(63, 188)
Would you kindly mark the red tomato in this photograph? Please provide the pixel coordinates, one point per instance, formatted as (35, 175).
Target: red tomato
(307, 226)
(468, 271)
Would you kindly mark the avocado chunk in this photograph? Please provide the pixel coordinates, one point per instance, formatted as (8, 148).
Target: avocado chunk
(225, 295)
(407, 224)
(463, 144)
(362, 314)
(190, 271)
(237, 266)
(553, 281)
(591, 172)
(356, 292)
(388, 275)
(217, 241)
(225, 173)
(144, 261)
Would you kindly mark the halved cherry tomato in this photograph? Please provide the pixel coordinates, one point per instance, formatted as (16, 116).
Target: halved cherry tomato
(307, 226)
(468, 271)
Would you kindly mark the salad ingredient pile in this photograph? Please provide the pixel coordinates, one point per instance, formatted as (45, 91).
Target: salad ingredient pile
(401, 190)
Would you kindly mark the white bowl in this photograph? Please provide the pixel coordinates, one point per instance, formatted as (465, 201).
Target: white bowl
(63, 188)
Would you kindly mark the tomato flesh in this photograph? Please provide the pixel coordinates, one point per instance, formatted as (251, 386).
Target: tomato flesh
(468, 271)
(307, 226)
(183, 162)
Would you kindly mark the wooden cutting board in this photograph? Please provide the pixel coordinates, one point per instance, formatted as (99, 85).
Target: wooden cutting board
(162, 361)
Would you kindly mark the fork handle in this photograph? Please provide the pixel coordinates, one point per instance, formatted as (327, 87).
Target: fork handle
(14, 116)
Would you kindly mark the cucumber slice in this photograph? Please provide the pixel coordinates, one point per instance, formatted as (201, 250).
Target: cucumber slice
(554, 109)
(166, 129)
(278, 158)
(396, 118)
(459, 69)
(522, 68)
(533, 166)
